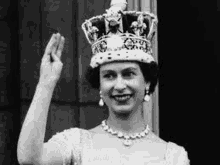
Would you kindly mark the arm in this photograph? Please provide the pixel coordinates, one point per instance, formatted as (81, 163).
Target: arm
(31, 148)
(181, 158)
(176, 155)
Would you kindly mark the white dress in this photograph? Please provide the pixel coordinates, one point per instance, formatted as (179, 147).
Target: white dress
(77, 145)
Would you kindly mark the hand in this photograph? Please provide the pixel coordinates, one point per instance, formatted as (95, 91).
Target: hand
(50, 71)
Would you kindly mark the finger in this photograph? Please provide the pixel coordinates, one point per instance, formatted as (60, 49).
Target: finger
(45, 59)
(53, 53)
(50, 44)
(54, 47)
(56, 42)
(58, 38)
(60, 47)
(54, 56)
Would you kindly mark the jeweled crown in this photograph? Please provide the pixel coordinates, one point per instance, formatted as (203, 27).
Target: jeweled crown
(121, 35)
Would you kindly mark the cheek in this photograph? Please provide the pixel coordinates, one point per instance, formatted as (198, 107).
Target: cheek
(139, 86)
(105, 87)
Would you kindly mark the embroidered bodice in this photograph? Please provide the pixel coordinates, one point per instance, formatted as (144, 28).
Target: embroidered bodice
(77, 145)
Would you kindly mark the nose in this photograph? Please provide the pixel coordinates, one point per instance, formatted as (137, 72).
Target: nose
(120, 84)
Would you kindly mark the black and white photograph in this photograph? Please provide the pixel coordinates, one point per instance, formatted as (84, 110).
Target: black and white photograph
(108, 82)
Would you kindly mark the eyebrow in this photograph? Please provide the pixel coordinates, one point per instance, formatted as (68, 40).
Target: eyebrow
(124, 70)
(130, 68)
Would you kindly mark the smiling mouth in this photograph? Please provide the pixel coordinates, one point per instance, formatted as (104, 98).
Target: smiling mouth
(122, 98)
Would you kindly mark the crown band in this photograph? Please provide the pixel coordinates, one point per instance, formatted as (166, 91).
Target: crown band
(124, 41)
(121, 47)
(121, 55)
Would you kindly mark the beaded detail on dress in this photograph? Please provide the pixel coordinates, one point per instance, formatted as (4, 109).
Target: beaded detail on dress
(74, 140)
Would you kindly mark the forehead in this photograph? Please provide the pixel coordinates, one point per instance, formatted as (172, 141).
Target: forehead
(117, 66)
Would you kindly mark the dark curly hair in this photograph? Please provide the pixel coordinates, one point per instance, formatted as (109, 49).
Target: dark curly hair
(150, 72)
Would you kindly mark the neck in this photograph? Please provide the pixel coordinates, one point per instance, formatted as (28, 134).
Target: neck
(127, 123)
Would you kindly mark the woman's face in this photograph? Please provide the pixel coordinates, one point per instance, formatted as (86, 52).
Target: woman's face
(122, 85)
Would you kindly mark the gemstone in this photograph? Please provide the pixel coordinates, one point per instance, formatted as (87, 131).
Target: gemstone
(114, 132)
(110, 130)
(127, 142)
(113, 22)
(146, 131)
(120, 134)
(126, 137)
(106, 127)
(142, 134)
(133, 136)
(138, 135)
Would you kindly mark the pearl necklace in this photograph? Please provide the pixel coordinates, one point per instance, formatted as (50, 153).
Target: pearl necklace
(127, 139)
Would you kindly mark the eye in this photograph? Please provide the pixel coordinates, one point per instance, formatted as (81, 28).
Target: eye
(129, 74)
(109, 76)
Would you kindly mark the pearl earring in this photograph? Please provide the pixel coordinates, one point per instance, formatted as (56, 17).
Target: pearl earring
(101, 102)
(147, 96)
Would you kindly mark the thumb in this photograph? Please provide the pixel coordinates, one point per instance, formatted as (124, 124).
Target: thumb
(45, 59)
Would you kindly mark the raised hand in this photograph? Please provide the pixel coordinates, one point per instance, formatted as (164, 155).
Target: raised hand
(50, 70)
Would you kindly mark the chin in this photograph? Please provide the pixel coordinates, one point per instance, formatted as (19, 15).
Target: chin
(122, 108)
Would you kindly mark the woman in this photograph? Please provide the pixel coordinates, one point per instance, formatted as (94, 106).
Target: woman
(123, 68)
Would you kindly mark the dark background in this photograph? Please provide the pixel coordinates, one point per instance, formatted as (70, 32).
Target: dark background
(188, 48)
(189, 74)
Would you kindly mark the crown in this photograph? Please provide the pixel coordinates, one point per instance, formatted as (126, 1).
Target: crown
(120, 35)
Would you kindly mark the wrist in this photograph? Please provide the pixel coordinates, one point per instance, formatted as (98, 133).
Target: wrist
(47, 87)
